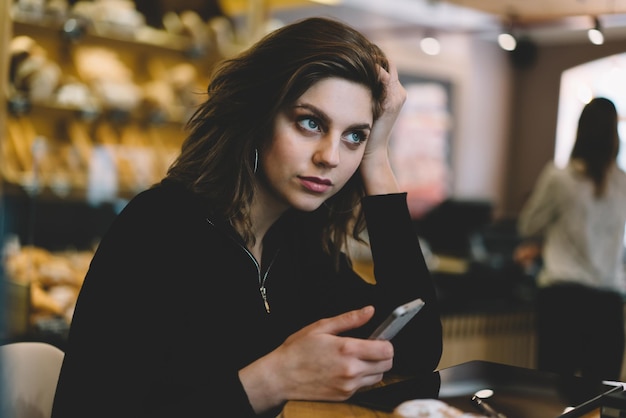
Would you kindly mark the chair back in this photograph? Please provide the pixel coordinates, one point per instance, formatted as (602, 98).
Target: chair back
(29, 372)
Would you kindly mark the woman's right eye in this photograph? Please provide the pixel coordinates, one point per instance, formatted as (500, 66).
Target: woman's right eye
(309, 124)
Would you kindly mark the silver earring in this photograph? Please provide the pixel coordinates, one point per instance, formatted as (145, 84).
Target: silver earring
(256, 160)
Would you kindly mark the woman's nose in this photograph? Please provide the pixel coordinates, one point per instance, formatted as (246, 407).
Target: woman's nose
(327, 152)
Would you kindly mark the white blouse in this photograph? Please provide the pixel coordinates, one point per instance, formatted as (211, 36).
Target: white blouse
(583, 236)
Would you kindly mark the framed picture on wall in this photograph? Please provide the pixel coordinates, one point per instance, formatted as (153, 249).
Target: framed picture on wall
(420, 147)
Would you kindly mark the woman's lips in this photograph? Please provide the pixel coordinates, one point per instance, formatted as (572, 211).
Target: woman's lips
(316, 184)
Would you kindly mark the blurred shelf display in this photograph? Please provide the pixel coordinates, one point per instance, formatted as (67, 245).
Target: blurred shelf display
(93, 105)
(96, 103)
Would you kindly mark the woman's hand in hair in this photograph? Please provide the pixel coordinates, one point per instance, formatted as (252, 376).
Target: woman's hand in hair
(375, 167)
(316, 363)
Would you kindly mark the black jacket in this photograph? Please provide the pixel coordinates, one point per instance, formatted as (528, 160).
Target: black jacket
(170, 309)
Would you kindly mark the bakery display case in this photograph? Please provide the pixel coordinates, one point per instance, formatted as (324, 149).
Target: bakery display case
(96, 105)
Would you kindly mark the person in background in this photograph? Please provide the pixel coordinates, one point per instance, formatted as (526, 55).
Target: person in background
(578, 214)
(225, 290)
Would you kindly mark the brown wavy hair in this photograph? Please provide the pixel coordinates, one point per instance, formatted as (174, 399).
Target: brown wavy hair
(244, 97)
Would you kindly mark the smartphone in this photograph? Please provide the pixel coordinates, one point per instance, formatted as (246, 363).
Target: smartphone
(397, 320)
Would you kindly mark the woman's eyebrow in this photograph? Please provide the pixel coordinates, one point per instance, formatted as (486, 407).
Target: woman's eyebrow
(325, 119)
(315, 110)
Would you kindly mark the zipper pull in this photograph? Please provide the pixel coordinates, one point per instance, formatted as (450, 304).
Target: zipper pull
(264, 296)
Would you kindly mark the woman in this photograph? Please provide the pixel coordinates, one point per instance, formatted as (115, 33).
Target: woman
(579, 213)
(224, 291)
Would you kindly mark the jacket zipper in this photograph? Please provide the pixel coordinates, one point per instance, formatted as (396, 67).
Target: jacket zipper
(261, 277)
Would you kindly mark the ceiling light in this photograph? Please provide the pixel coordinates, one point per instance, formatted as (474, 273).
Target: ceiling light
(595, 33)
(430, 45)
(507, 41)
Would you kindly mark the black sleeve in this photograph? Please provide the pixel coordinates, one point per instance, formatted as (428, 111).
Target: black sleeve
(402, 275)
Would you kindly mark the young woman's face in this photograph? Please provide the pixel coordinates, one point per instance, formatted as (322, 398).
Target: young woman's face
(317, 145)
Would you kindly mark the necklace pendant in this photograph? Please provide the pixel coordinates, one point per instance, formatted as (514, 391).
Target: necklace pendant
(264, 296)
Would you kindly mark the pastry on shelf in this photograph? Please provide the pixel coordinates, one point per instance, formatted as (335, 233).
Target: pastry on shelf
(32, 74)
(54, 278)
(108, 77)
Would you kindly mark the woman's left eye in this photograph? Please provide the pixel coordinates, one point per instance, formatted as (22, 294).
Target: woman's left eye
(309, 124)
(356, 137)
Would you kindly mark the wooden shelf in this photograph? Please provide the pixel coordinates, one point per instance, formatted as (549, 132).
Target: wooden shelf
(162, 42)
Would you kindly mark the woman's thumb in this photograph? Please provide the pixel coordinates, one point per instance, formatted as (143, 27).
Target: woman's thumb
(348, 320)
